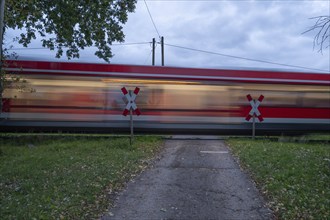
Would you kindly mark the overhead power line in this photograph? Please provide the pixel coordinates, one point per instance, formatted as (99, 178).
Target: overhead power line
(248, 59)
(151, 18)
(128, 44)
(196, 50)
(145, 62)
(45, 48)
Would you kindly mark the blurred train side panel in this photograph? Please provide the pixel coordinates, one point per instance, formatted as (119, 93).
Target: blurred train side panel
(73, 96)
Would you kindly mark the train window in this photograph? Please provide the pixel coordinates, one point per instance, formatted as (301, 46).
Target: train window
(316, 99)
(284, 95)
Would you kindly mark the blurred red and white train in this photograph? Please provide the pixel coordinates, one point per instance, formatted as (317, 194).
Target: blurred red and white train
(79, 96)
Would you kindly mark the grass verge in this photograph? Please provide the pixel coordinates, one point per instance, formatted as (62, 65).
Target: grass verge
(295, 177)
(67, 178)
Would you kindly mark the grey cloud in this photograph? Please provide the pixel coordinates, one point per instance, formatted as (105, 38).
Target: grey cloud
(266, 30)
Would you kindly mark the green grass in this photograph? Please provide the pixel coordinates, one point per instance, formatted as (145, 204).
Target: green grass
(295, 177)
(308, 138)
(324, 137)
(67, 178)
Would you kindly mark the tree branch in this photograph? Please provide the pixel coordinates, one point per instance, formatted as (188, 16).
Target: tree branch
(322, 26)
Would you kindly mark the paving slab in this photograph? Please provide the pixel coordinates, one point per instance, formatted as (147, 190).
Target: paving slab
(195, 178)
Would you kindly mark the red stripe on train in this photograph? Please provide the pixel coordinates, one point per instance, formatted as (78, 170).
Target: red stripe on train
(266, 112)
(232, 78)
(287, 112)
(62, 67)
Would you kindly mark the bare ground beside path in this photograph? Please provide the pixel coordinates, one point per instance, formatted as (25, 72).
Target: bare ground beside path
(194, 179)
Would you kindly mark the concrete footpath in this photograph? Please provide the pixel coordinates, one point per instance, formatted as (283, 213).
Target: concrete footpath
(193, 179)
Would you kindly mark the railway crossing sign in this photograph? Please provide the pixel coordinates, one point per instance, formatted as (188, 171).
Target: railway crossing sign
(131, 101)
(131, 106)
(254, 110)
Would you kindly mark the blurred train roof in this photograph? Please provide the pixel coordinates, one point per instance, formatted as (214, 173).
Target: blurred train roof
(248, 68)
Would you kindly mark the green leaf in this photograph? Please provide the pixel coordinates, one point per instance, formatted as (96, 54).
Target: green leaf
(72, 25)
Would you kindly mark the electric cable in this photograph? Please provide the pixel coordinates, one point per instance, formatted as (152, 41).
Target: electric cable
(145, 62)
(43, 48)
(248, 59)
(151, 18)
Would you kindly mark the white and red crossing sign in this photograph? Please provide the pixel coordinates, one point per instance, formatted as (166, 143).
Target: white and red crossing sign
(254, 111)
(131, 101)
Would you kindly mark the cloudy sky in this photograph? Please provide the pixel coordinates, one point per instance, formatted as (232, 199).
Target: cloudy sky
(199, 33)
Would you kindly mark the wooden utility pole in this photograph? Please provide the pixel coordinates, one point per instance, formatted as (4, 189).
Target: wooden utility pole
(162, 45)
(153, 51)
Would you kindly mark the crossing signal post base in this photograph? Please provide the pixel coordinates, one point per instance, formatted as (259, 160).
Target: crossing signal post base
(253, 127)
(131, 126)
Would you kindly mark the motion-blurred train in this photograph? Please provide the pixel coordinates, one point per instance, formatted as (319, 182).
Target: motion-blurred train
(85, 96)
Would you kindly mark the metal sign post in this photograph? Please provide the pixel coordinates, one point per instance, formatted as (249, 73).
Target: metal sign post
(130, 107)
(254, 112)
(131, 123)
(253, 126)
